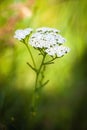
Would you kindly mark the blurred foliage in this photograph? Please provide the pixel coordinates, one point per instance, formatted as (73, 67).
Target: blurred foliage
(63, 104)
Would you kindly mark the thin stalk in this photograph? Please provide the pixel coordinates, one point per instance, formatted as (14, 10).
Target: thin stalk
(50, 61)
(30, 54)
(34, 101)
(38, 72)
(42, 74)
(31, 67)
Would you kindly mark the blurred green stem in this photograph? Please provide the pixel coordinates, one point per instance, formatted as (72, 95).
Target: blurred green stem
(50, 61)
(37, 87)
(30, 54)
(38, 71)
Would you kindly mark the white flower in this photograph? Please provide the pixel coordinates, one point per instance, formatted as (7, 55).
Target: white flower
(22, 33)
(58, 51)
(45, 38)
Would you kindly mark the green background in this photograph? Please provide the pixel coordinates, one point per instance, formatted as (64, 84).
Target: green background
(63, 101)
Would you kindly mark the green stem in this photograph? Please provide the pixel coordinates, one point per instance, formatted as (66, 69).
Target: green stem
(42, 75)
(38, 71)
(50, 61)
(30, 54)
(36, 92)
(31, 67)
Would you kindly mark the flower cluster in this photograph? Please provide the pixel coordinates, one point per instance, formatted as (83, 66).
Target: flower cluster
(50, 40)
(22, 33)
(57, 51)
(45, 38)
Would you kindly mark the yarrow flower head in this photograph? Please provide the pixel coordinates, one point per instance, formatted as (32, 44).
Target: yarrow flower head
(57, 51)
(45, 38)
(22, 33)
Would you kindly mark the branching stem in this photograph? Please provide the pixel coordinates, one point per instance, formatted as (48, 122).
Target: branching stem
(30, 53)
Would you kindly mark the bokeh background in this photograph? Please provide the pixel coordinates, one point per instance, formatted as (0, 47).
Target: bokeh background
(63, 101)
